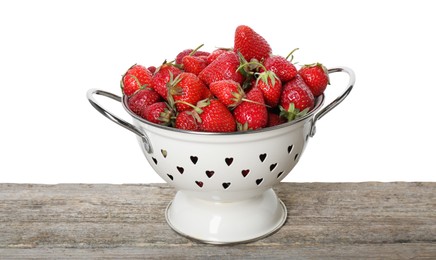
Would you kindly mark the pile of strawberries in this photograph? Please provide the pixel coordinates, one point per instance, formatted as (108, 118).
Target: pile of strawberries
(237, 89)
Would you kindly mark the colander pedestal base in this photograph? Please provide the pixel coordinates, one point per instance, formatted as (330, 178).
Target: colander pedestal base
(226, 222)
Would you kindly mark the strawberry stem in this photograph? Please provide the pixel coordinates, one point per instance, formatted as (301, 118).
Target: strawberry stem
(291, 54)
(163, 63)
(292, 113)
(196, 49)
(172, 85)
(255, 102)
(264, 76)
(195, 108)
(137, 82)
(258, 64)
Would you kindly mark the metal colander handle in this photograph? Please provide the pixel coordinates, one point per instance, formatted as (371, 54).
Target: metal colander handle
(90, 95)
(338, 100)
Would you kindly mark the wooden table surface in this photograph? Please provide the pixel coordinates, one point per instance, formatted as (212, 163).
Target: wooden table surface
(369, 220)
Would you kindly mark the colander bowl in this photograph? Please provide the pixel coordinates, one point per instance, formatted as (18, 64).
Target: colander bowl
(224, 181)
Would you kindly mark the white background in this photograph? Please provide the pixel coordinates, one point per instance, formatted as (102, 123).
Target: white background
(52, 52)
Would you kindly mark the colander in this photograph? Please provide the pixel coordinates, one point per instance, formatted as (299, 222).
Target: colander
(224, 181)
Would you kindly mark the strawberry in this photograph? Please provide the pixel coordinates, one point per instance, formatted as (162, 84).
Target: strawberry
(316, 77)
(215, 116)
(283, 68)
(194, 64)
(158, 113)
(186, 88)
(267, 81)
(271, 87)
(296, 99)
(137, 77)
(187, 120)
(207, 93)
(229, 89)
(213, 55)
(275, 119)
(251, 115)
(251, 44)
(229, 92)
(142, 98)
(191, 52)
(223, 67)
(152, 69)
(162, 76)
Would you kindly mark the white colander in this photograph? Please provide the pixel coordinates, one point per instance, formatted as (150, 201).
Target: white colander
(224, 180)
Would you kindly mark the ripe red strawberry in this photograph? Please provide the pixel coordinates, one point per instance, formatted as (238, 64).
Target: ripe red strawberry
(275, 119)
(251, 44)
(215, 117)
(162, 76)
(229, 92)
(250, 115)
(316, 77)
(158, 113)
(187, 52)
(137, 77)
(271, 87)
(223, 67)
(283, 68)
(186, 87)
(296, 99)
(152, 69)
(194, 64)
(213, 55)
(187, 120)
(207, 94)
(141, 99)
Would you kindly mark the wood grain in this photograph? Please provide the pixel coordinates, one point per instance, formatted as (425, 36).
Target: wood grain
(325, 221)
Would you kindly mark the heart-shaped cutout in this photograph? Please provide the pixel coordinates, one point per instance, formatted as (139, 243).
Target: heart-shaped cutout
(280, 174)
(226, 185)
(290, 148)
(170, 176)
(262, 157)
(229, 161)
(209, 173)
(259, 181)
(272, 166)
(245, 172)
(194, 159)
(180, 169)
(164, 153)
(154, 160)
(199, 184)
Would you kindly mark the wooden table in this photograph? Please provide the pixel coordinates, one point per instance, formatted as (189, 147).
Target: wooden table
(325, 221)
